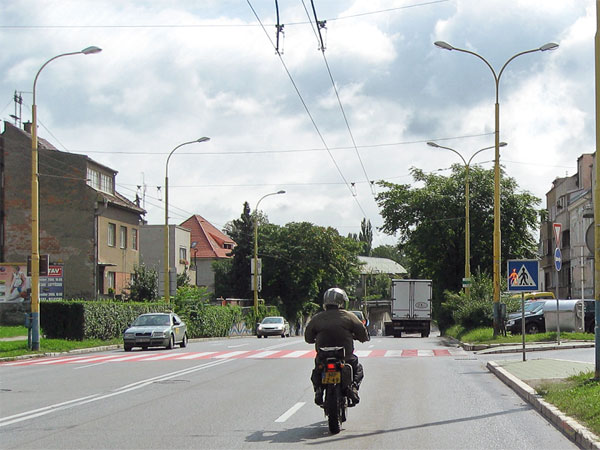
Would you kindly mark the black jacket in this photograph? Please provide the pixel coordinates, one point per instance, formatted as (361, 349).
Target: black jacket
(335, 328)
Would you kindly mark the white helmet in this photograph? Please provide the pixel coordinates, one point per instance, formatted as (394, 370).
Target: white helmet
(335, 296)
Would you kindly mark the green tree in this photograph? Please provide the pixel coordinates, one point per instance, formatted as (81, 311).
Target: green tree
(143, 284)
(390, 252)
(430, 220)
(366, 237)
(242, 232)
(302, 260)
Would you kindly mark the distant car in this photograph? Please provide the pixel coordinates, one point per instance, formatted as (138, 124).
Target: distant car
(534, 319)
(155, 330)
(360, 316)
(273, 326)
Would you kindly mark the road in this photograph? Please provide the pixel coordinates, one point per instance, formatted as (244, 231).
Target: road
(256, 393)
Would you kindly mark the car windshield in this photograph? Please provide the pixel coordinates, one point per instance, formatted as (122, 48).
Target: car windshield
(158, 319)
(273, 320)
(533, 307)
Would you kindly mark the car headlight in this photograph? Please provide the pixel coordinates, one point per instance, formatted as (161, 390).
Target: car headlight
(510, 323)
(158, 334)
(128, 335)
(260, 327)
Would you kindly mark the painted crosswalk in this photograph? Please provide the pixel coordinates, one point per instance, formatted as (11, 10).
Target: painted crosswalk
(144, 356)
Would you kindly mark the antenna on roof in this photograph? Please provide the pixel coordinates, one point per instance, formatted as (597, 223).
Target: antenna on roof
(18, 99)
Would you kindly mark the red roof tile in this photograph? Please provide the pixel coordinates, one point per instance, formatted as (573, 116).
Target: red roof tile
(210, 242)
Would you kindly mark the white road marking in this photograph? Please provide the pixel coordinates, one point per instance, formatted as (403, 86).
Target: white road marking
(290, 412)
(425, 353)
(166, 355)
(231, 354)
(265, 354)
(28, 415)
(236, 346)
(196, 355)
(296, 354)
(362, 353)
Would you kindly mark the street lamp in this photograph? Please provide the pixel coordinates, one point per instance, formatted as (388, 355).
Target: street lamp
(167, 263)
(497, 248)
(35, 208)
(467, 165)
(255, 274)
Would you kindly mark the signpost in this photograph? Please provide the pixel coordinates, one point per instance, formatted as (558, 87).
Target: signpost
(557, 227)
(523, 276)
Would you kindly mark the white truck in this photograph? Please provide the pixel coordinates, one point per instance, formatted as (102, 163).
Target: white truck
(411, 308)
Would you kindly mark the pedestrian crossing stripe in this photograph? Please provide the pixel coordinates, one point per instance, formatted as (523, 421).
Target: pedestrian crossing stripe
(144, 356)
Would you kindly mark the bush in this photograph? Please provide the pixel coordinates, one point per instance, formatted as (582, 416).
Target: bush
(472, 313)
(143, 285)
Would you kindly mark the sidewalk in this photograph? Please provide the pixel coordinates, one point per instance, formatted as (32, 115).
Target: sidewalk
(524, 376)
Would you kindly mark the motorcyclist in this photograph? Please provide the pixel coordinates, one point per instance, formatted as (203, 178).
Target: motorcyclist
(336, 327)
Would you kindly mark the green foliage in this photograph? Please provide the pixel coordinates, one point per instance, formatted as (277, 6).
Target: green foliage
(80, 319)
(429, 217)
(12, 331)
(196, 293)
(12, 349)
(366, 237)
(242, 232)
(378, 286)
(470, 313)
(143, 285)
(390, 252)
(223, 269)
(183, 278)
(204, 320)
(251, 318)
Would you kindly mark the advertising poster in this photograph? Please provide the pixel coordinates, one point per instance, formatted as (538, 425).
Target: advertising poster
(14, 282)
(51, 287)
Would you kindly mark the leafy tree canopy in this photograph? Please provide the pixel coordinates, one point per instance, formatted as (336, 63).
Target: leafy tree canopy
(429, 220)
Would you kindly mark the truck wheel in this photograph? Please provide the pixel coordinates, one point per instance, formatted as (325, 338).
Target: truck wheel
(397, 334)
(424, 334)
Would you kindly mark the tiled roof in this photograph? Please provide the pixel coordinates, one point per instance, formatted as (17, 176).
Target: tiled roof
(210, 242)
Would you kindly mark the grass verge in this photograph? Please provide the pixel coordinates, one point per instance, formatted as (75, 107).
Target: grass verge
(486, 336)
(17, 348)
(6, 332)
(577, 397)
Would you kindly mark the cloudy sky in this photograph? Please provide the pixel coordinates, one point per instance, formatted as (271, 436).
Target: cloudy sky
(171, 71)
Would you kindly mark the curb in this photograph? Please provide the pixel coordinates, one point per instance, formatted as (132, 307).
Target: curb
(529, 347)
(576, 432)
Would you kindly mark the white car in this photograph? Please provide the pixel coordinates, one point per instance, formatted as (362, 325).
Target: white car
(273, 326)
(155, 330)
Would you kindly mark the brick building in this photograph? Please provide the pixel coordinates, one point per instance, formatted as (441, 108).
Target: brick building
(84, 223)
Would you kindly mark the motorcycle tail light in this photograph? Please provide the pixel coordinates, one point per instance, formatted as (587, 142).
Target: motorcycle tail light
(330, 366)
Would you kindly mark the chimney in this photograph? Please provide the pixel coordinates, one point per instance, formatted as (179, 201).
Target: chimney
(27, 127)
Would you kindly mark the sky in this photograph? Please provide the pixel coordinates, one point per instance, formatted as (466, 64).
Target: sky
(323, 126)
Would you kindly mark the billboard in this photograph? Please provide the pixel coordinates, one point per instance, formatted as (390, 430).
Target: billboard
(51, 286)
(14, 282)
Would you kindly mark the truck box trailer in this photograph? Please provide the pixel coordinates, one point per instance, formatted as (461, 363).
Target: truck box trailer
(411, 308)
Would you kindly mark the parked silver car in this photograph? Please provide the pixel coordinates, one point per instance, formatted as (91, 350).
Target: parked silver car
(273, 326)
(155, 330)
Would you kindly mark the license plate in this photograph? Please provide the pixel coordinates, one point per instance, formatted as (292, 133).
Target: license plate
(332, 378)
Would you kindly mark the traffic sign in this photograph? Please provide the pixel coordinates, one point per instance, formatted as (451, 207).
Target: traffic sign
(557, 228)
(523, 275)
(557, 259)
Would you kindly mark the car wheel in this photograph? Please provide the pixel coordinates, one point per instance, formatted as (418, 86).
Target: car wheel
(184, 341)
(127, 348)
(171, 343)
(258, 336)
(532, 328)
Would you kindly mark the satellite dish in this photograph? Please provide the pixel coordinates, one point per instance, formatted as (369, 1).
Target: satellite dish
(589, 239)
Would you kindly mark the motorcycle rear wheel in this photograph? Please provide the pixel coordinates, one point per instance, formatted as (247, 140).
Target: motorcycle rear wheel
(334, 407)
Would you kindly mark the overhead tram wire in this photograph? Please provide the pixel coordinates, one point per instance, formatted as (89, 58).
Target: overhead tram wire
(237, 25)
(337, 95)
(307, 110)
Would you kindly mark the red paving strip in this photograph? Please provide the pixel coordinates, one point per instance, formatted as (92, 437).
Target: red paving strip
(410, 353)
(441, 352)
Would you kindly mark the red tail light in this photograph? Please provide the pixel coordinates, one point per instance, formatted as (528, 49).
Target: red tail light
(330, 367)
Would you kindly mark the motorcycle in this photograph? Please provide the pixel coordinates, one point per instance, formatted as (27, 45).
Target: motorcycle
(336, 378)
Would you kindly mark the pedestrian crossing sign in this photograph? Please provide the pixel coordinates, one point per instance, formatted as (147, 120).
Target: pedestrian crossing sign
(523, 275)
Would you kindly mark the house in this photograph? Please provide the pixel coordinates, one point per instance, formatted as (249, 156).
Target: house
(208, 244)
(569, 204)
(152, 253)
(85, 224)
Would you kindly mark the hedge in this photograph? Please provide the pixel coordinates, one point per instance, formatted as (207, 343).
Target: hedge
(80, 319)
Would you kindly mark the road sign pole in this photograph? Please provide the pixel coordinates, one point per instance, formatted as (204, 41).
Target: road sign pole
(557, 311)
(523, 322)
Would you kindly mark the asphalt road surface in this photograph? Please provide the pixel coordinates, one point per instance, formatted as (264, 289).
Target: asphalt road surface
(256, 393)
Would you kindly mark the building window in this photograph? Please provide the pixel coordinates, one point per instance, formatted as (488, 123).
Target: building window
(93, 178)
(183, 255)
(123, 237)
(134, 238)
(112, 233)
(100, 181)
(228, 246)
(106, 183)
(110, 280)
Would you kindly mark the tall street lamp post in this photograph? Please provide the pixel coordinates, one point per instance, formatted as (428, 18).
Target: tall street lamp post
(255, 274)
(497, 248)
(35, 207)
(467, 165)
(167, 263)
(596, 197)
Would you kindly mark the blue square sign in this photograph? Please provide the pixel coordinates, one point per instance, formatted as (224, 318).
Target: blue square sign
(523, 275)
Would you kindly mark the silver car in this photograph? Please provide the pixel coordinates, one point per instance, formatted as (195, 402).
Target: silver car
(155, 330)
(273, 326)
